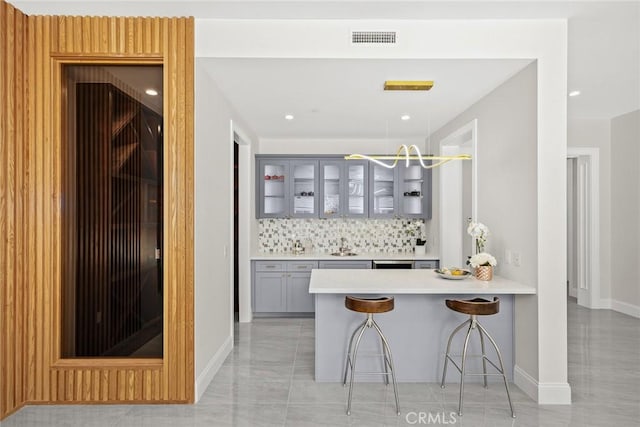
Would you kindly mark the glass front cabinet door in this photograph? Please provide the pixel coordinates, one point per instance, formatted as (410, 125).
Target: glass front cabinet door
(356, 188)
(415, 191)
(343, 187)
(383, 199)
(274, 183)
(331, 180)
(304, 188)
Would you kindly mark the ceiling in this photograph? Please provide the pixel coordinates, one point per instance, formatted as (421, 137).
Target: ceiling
(603, 56)
(344, 98)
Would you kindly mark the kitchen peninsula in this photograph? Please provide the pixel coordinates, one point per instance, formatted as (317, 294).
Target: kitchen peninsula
(417, 328)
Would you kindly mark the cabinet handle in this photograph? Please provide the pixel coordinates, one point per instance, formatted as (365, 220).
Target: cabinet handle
(302, 266)
(270, 266)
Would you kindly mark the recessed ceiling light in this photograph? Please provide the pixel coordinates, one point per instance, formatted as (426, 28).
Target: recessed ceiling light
(151, 92)
(289, 117)
(405, 117)
(574, 93)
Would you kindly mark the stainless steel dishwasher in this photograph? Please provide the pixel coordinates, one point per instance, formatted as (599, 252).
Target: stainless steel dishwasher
(396, 264)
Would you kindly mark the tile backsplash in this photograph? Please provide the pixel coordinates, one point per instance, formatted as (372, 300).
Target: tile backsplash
(323, 235)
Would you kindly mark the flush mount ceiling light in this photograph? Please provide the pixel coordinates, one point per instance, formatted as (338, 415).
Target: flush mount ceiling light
(288, 116)
(405, 117)
(408, 84)
(151, 92)
(404, 153)
(574, 93)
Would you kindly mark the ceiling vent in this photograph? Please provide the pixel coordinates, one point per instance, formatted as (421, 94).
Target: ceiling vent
(373, 37)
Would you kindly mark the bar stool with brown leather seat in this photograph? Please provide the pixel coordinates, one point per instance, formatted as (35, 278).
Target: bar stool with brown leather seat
(474, 308)
(369, 306)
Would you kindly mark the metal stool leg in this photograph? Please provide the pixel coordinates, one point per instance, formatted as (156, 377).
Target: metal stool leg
(446, 356)
(385, 362)
(348, 358)
(391, 367)
(463, 365)
(504, 376)
(353, 362)
(484, 358)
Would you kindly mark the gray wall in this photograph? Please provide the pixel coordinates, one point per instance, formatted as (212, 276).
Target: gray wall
(625, 212)
(507, 191)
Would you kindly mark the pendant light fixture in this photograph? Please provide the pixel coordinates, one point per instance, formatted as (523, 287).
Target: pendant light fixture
(412, 152)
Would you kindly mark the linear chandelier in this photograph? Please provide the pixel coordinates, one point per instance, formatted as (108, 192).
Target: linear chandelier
(404, 153)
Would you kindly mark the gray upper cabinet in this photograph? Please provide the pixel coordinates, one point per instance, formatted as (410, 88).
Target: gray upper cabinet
(414, 191)
(331, 187)
(286, 188)
(343, 189)
(304, 189)
(272, 188)
(383, 192)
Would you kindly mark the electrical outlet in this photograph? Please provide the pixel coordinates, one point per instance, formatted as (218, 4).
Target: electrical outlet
(507, 257)
(516, 259)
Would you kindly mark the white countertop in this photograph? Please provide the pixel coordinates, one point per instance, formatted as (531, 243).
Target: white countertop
(407, 282)
(258, 256)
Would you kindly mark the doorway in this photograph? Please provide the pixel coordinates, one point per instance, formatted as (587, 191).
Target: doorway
(458, 201)
(583, 225)
(236, 228)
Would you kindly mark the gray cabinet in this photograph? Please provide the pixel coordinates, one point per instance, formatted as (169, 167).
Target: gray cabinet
(282, 286)
(346, 264)
(343, 189)
(414, 191)
(270, 292)
(331, 187)
(383, 192)
(402, 192)
(286, 188)
(299, 300)
(304, 189)
(428, 264)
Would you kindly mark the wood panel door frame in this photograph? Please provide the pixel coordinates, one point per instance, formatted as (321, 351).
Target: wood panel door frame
(58, 120)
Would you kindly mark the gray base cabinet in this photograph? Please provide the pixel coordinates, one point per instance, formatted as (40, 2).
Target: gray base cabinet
(351, 264)
(428, 264)
(282, 286)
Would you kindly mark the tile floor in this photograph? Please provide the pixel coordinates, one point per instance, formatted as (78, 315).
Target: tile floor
(268, 381)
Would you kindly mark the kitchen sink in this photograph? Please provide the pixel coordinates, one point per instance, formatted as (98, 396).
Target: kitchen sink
(344, 253)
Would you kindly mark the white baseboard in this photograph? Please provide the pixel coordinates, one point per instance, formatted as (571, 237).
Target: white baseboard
(204, 379)
(554, 394)
(625, 308)
(526, 382)
(544, 394)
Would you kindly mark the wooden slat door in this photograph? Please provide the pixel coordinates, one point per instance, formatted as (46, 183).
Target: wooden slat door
(33, 51)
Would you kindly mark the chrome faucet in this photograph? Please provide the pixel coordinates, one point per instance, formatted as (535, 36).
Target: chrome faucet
(343, 245)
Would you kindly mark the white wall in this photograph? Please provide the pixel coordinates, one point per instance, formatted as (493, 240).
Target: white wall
(597, 133)
(507, 190)
(625, 213)
(213, 228)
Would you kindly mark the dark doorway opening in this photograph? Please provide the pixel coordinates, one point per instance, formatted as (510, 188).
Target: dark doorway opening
(236, 229)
